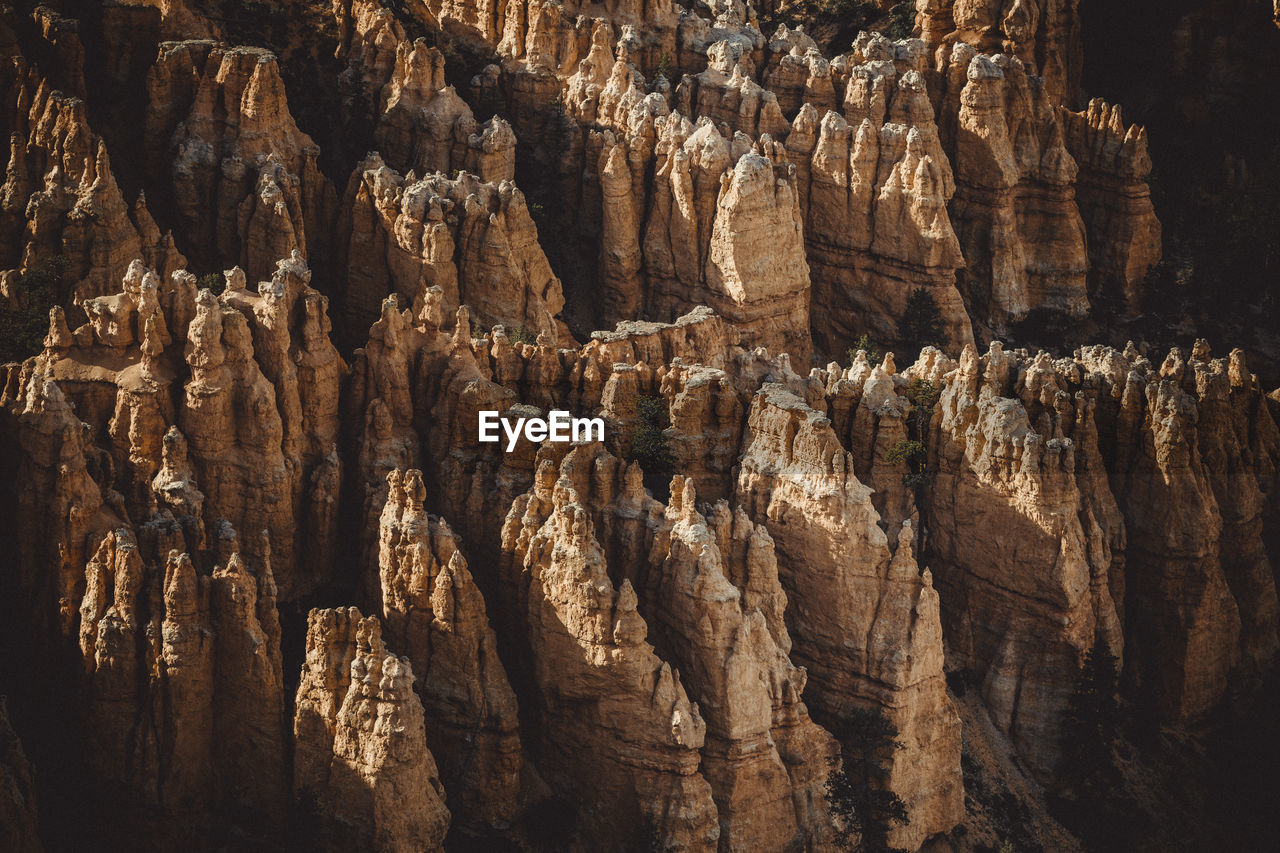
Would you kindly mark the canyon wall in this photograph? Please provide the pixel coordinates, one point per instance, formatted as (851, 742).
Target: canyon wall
(658, 216)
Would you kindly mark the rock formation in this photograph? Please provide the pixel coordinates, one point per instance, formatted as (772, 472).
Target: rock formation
(865, 620)
(433, 610)
(361, 750)
(60, 202)
(1014, 178)
(1115, 201)
(991, 460)
(423, 125)
(1026, 435)
(876, 188)
(1043, 34)
(472, 239)
(211, 407)
(712, 591)
(709, 250)
(245, 185)
(665, 218)
(182, 673)
(619, 730)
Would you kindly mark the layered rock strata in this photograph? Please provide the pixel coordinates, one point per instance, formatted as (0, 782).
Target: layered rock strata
(876, 189)
(1043, 34)
(1014, 229)
(1115, 201)
(758, 201)
(994, 468)
(865, 620)
(60, 202)
(1080, 455)
(1015, 210)
(618, 728)
(709, 587)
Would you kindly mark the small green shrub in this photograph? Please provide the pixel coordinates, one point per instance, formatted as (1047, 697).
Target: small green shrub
(538, 213)
(665, 67)
(902, 20)
(923, 395)
(649, 444)
(906, 450)
(214, 281)
(914, 451)
(520, 335)
(22, 330)
(866, 344)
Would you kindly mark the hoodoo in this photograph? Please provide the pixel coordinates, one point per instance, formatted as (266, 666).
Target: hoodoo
(706, 426)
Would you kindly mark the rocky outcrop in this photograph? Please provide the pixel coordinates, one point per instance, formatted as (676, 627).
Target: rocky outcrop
(1115, 201)
(766, 762)
(894, 192)
(244, 181)
(709, 588)
(60, 203)
(691, 237)
(1198, 592)
(703, 240)
(864, 619)
(247, 383)
(1014, 210)
(434, 612)
(578, 637)
(726, 93)
(182, 671)
(617, 726)
(432, 421)
(1024, 630)
(901, 203)
(473, 240)
(1043, 34)
(63, 498)
(875, 187)
(1100, 460)
(538, 36)
(360, 741)
(424, 126)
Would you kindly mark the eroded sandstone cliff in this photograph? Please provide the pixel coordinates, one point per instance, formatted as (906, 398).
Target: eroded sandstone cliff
(657, 637)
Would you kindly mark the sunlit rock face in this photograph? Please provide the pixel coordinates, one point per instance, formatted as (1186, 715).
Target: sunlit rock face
(278, 588)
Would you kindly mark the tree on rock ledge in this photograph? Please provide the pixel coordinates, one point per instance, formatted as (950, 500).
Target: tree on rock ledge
(1091, 725)
(863, 806)
(921, 322)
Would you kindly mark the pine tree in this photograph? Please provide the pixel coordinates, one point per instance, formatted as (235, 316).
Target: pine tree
(1091, 725)
(649, 444)
(921, 322)
(864, 808)
(22, 328)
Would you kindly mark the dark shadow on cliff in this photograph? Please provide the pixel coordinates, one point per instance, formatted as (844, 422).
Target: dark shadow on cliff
(1203, 76)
